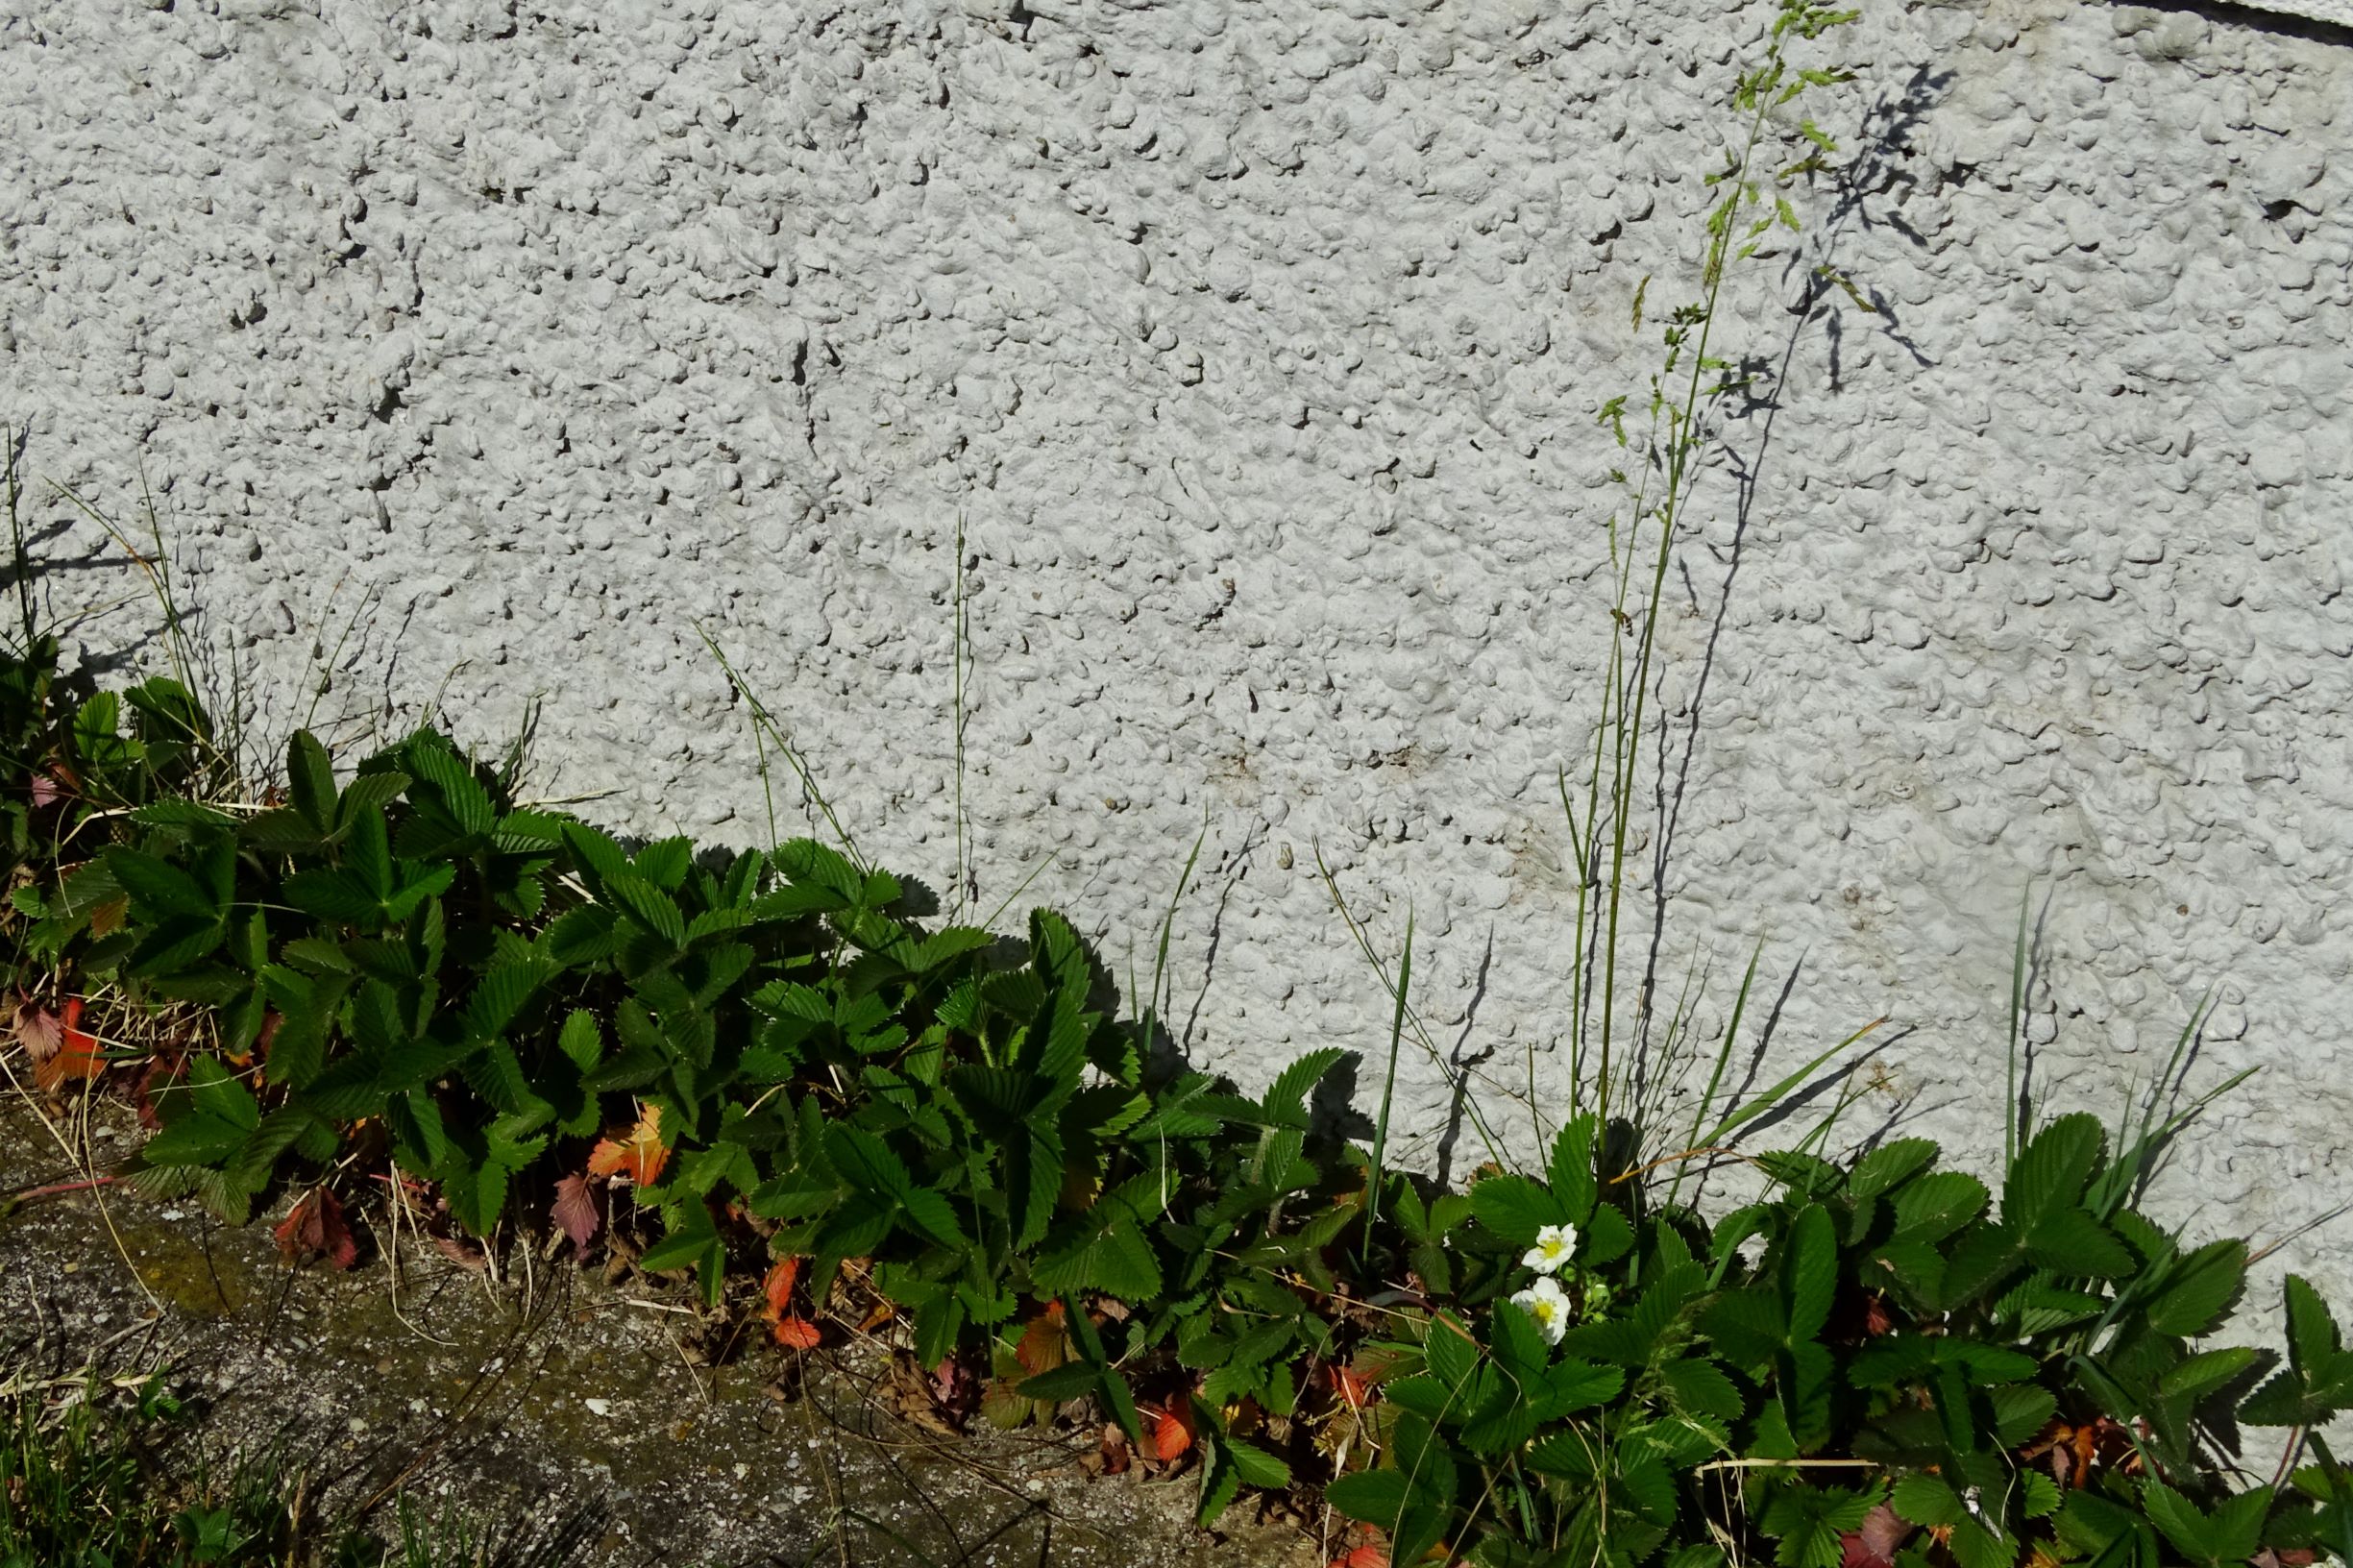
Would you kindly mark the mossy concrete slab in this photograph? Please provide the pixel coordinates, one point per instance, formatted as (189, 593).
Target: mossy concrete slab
(570, 1418)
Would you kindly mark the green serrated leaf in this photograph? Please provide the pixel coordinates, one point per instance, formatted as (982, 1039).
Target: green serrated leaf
(1699, 1387)
(1809, 1274)
(1889, 1165)
(2052, 1171)
(648, 905)
(2200, 1375)
(1515, 1208)
(2197, 1289)
(461, 794)
(310, 782)
(1108, 1254)
(1934, 1206)
(1285, 1102)
(158, 889)
(1570, 1170)
(1256, 1466)
(2189, 1530)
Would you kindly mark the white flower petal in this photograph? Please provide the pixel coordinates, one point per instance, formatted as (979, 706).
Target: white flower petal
(1549, 1304)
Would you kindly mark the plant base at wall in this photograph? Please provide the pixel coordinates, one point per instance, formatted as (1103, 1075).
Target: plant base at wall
(763, 1070)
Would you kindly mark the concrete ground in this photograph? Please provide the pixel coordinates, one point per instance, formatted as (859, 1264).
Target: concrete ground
(578, 1423)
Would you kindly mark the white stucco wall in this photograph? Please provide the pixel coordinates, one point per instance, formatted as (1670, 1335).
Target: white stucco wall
(1259, 347)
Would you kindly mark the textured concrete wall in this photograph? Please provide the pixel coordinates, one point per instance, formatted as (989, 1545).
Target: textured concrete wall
(1258, 348)
(2333, 13)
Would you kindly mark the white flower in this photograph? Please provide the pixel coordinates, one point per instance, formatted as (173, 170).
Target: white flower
(1549, 1304)
(1553, 1245)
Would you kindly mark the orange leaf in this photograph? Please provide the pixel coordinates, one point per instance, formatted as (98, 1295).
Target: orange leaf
(1172, 1432)
(639, 1154)
(797, 1332)
(1353, 1386)
(1043, 1346)
(1364, 1557)
(78, 1054)
(782, 1278)
(314, 1228)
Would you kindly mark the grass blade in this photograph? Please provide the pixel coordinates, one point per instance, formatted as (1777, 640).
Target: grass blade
(1724, 1057)
(1150, 1023)
(1772, 1096)
(2017, 1013)
(762, 718)
(1388, 1087)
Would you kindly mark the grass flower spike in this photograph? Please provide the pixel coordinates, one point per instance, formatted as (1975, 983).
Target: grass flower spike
(1550, 1253)
(1549, 1304)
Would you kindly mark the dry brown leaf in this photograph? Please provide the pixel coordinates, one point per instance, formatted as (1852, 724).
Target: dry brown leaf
(37, 1029)
(463, 1253)
(314, 1228)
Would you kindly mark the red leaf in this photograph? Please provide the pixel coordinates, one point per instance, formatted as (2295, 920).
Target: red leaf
(637, 1154)
(78, 1054)
(1372, 1556)
(954, 1389)
(1884, 1530)
(798, 1334)
(1875, 1544)
(576, 1211)
(314, 1228)
(1172, 1432)
(782, 1275)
